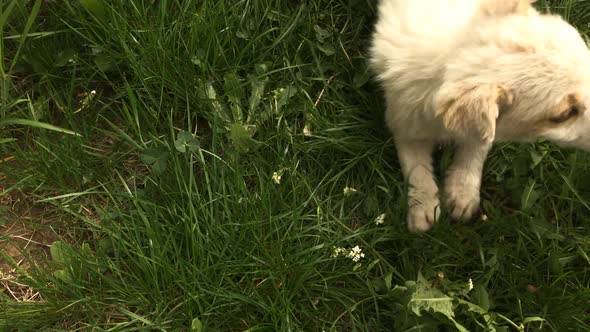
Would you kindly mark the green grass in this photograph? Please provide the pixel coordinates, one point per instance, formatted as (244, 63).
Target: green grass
(160, 184)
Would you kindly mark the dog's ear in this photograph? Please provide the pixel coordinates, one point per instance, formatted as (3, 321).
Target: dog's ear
(472, 110)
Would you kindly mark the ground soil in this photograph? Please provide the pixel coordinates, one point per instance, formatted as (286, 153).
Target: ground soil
(25, 239)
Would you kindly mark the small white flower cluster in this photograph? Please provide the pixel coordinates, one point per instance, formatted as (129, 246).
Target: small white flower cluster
(349, 191)
(307, 131)
(276, 177)
(355, 253)
(380, 219)
(336, 251)
(470, 284)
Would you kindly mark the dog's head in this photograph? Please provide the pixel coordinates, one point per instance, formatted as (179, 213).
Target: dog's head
(520, 87)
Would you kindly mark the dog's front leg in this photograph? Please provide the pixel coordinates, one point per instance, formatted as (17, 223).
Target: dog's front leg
(463, 180)
(416, 162)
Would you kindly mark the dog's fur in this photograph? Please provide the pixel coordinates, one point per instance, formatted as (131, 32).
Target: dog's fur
(474, 72)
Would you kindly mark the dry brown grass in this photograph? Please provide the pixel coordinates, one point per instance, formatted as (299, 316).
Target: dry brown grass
(24, 240)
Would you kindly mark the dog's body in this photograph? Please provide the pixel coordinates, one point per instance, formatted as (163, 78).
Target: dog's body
(473, 72)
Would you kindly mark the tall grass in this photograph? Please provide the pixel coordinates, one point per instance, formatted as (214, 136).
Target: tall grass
(192, 158)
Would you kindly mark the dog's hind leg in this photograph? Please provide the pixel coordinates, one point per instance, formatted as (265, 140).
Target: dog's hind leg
(415, 157)
(463, 179)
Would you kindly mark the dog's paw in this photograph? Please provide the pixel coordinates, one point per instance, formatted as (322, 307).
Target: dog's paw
(423, 215)
(462, 202)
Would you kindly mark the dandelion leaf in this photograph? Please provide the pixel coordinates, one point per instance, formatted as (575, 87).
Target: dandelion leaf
(421, 299)
(428, 299)
(480, 297)
(241, 137)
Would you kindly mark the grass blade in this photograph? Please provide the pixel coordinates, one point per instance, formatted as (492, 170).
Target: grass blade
(36, 124)
(28, 25)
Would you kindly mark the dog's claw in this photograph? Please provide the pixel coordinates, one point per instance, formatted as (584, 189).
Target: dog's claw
(463, 205)
(422, 216)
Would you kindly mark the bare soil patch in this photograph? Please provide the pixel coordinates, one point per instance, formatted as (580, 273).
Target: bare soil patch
(25, 239)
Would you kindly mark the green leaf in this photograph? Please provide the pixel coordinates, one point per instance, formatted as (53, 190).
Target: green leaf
(327, 49)
(196, 325)
(398, 293)
(95, 7)
(387, 278)
(36, 124)
(458, 326)
(242, 34)
(63, 275)
(241, 137)
(257, 86)
(156, 158)
(285, 95)
(473, 307)
(63, 57)
(36, 64)
(105, 246)
(532, 319)
(59, 252)
(206, 91)
(233, 91)
(425, 298)
(185, 141)
(379, 285)
(321, 34)
(480, 297)
(262, 68)
(537, 157)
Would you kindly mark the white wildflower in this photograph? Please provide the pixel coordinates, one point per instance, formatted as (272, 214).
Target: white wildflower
(336, 251)
(484, 217)
(380, 219)
(276, 177)
(93, 92)
(356, 254)
(306, 131)
(349, 191)
(470, 284)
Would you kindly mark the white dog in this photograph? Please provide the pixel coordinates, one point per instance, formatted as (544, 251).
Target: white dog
(474, 72)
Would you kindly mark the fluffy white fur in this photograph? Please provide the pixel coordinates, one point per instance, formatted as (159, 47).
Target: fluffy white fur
(474, 72)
